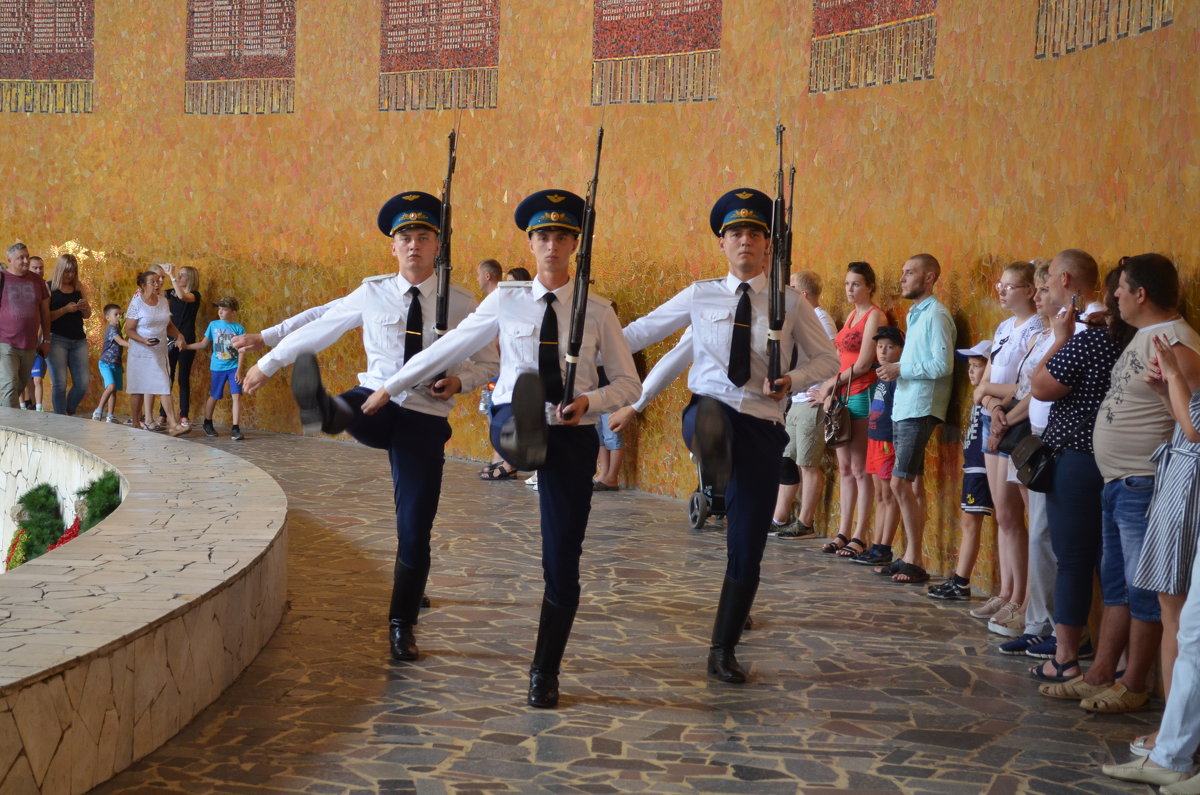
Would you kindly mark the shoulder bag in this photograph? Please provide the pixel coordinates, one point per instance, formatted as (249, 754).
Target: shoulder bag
(838, 430)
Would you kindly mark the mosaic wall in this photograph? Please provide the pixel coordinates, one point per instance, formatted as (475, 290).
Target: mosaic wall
(656, 51)
(241, 57)
(46, 56)
(978, 167)
(1067, 26)
(862, 43)
(438, 54)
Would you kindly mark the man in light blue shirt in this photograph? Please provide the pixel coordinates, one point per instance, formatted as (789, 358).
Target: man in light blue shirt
(923, 382)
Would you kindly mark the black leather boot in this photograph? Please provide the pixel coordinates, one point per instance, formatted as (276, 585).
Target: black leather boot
(524, 439)
(318, 409)
(732, 611)
(554, 628)
(712, 444)
(407, 587)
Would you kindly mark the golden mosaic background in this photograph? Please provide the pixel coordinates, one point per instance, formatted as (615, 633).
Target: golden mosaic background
(1001, 156)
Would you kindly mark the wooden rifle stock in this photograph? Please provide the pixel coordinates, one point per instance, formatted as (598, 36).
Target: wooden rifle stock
(583, 277)
(441, 263)
(779, 266)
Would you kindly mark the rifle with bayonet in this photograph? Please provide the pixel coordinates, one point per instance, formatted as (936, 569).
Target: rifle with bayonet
(441, 262)
(780, 265)
(583, 277)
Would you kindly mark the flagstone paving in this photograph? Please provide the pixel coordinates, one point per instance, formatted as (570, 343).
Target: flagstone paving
(857, 684)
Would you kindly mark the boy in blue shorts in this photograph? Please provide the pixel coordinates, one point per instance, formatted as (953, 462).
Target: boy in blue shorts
(225, 365)
(976, 496)
(110, 362)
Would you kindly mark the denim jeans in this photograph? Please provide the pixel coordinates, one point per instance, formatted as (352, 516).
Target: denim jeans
(1073, 509)
(1179, 731)
(68, 355)
(1126, 503)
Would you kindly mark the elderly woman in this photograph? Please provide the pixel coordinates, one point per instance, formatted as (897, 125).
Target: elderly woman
(147, 322)
(68, 342)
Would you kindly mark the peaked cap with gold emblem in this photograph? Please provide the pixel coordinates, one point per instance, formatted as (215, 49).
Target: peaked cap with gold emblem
(412, 208)
(741, 206)
(550, 209)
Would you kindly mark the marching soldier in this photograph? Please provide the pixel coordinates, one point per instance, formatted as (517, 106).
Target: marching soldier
(396, 314)
(734, 423)
(532, 320)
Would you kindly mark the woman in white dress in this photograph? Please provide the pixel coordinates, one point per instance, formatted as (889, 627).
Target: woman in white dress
(147, 324)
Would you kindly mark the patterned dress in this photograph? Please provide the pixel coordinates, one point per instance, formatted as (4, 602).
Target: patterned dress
(1170, 546)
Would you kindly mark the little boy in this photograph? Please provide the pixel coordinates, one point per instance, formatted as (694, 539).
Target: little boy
(225, 365)
(976, 496)
(881, 455)
(110, 362)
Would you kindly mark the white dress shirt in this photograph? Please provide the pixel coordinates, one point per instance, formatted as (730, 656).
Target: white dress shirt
(709, 307)
(514, 311)
(271, 336)
(380, 306)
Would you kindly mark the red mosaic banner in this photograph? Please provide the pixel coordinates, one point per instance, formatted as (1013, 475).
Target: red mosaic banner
(46, 56)
(241, 56)
(439, 54)
(863, 43)
(655, 50)
(1069, 26)
(831, 17)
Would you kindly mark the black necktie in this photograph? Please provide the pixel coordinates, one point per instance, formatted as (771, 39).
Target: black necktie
(548, 354)
(739, 348)
(414, 332)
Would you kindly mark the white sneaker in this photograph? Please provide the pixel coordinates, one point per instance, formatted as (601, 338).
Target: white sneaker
(531, 480)
(97, 415)
(111, 418)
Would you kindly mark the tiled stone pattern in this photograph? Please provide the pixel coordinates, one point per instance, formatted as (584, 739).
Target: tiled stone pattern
(858, 684)
(112, 643)
(26, 460)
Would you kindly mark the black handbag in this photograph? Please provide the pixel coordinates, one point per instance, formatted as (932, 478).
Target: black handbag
(1015, 433)
(1034, 460)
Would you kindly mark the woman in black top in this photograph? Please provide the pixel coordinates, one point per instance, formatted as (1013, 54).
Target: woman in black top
(68, 342)
(184, 300)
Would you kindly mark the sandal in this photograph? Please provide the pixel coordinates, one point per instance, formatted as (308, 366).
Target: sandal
(912, 573)
(847, 552)
(1074, 689)
(833, 546)
(1038, 672)
(888, 569)
(1117, 698)
(500, 471)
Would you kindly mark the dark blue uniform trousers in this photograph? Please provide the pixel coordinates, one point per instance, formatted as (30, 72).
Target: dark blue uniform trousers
(416, 445)
(750, 496)
(565, 499)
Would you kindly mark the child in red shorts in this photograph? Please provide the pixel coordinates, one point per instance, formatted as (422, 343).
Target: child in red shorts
(881, 455)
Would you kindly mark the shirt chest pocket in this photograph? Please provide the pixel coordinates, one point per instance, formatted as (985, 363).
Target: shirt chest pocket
(716, 327)
(521, 339)
(386, 329)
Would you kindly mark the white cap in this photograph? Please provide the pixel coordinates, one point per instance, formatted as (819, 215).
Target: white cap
(982, 348)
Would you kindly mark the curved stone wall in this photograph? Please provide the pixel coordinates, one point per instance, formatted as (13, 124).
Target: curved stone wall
(112, 643)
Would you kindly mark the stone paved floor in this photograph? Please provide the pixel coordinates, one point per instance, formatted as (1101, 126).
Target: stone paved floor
(858, 684)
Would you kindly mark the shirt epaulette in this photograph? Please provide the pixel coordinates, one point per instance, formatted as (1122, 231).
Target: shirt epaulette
(454, 288)
(379, 278)
(599, 299)
(703, 281)
(511, 285)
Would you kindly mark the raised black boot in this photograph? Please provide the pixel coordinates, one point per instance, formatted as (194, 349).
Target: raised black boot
(407, 587)
(524, 439)
(318, 409)
(712, 444)
(732, 611)
(554, 628)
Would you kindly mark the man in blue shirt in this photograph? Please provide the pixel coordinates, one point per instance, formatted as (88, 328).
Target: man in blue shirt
(923, 383)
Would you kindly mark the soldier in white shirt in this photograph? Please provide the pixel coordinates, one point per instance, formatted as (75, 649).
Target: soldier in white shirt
(533, 320)
(396, 313)
(734, 424)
